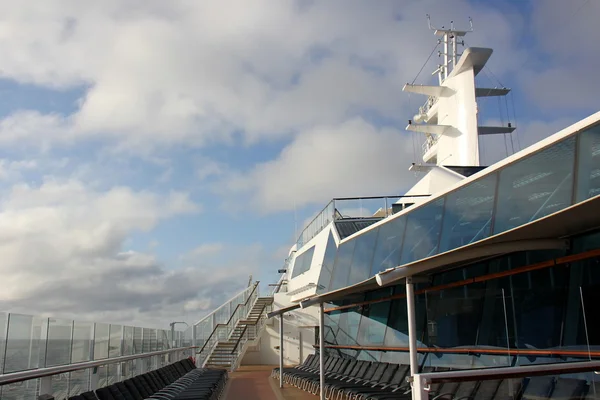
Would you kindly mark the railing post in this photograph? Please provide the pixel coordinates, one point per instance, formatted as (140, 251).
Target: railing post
(322, 350)
(412, 327)
(46, 385)
(94, 378)
(281, 351)
(420, 388)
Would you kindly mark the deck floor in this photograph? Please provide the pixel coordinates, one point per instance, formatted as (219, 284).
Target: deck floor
(253, 382)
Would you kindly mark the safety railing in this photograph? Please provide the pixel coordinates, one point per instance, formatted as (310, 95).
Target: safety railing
(31, 343)
(62, 381)
(221, 331)
(349, 207)
(251, 331)
(421, 382)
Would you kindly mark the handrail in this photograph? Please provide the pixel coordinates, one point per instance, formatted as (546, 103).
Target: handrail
(475, 350)
(554, 262)
(230, 317)
(510, 372)
(14, 377)
(237, 342)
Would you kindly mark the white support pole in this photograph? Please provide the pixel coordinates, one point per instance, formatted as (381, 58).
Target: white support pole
(281, 350)
(420, 389)
(446, 39)
(322, 351)
(412, 327)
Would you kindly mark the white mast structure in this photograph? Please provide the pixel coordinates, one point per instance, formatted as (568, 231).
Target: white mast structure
(448, 119)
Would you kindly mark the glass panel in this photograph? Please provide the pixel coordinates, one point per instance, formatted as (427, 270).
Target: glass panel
(82, 341)
(3, 324)
(468, 214)
(373, 323)
(535, 186)
(422, 232)
(128, 341)
(59, 342)
(26, 342)
(137, 340)
(363, 256)
(114, 346)
(79, 382)
(101, 337)
(60, 385)
(389, 245)
(327, 266)
(303, 262)
(588, 168)
(342, 264)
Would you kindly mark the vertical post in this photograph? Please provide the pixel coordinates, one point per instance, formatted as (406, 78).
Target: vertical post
(322, 350)
(446, 38)
(46, 385)
(281, 350)
(420, 389)
(412, 326)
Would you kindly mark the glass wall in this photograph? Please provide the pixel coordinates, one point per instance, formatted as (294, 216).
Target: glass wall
(530, 188)
(520, 304)
(28, 342)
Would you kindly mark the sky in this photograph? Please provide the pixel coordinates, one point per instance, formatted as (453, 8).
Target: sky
(155, 154)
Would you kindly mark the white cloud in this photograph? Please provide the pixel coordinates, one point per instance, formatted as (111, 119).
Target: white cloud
(203, 72)
(61, 245)
(350, 159)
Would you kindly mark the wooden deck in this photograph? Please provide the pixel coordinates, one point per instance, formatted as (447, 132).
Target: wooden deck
(253, 382)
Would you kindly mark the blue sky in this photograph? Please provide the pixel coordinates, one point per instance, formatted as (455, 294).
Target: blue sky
(164, 151)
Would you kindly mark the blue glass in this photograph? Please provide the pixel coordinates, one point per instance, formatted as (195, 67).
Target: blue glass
(422, 232)
(373, 323)
(303, 262)
(363, 256)
(341, 268)
(327, 266)
(536, 186)
(468, 214)
(389, 245)
(588, 164)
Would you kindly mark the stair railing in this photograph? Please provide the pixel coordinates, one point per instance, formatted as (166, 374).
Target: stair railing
(251, 331)
(222, 331)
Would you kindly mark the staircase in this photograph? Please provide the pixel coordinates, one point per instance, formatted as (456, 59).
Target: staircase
(227, 353)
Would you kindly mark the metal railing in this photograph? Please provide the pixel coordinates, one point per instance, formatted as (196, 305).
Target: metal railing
(349, 207)
(251, 331)
(421, 382)
(32, 343)
(95, 373)
(223, 330)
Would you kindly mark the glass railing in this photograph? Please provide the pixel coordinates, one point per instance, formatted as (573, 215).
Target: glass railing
(349, 207)
(29, 342)
(218, 325)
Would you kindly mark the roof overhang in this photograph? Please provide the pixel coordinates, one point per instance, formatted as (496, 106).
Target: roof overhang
(550, 232)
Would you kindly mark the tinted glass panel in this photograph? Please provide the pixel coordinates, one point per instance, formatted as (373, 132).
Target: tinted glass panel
(468, 214)
(363, 255)
(536, 186)
(588, 168)
(341, 268)
(327, 267)
(303, 262)
(389, 245)
(422, 232)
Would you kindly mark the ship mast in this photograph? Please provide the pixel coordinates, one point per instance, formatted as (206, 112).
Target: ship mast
(448, 119)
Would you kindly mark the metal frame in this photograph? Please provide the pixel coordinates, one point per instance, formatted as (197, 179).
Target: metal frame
(50, 371)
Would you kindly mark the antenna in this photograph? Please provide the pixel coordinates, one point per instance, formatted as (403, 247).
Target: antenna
(449, 37)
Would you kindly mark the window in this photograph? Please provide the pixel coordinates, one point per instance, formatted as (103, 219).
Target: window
(303, 262)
